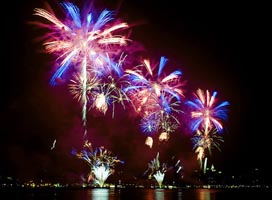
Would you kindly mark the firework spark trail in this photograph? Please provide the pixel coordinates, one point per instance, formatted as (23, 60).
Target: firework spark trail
(155, 96)
(53, 145)
(81, 41)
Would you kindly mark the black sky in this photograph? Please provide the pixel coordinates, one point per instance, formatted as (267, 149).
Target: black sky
(218, 47)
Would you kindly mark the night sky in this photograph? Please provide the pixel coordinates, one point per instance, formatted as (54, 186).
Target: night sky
(219, 47)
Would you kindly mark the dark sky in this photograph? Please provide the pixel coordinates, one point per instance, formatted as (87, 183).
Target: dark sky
(219, 47)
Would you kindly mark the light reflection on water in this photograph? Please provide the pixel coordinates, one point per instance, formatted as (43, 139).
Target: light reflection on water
(159, 194)
(206, 194)
(98, 194)
(150, 194)
(134, 194)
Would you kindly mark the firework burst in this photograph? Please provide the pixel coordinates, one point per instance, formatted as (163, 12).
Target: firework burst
(206, 113)
(100, 160)
(207, 119)
(158, 169)
(80, 43)
(206, 141)
(156, 97)
(147, 86)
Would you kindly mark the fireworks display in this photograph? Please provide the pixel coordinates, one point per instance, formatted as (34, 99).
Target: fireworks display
(100, 160)
(207, 117)
(156, 97)
(158, 169)
(206, 113)
(90, 56)
(203, 141)
(81, 43)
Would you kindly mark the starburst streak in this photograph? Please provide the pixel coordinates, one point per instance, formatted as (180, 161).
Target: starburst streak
(205, 113)
(157, 84)
(101, 174)
(80, 41)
